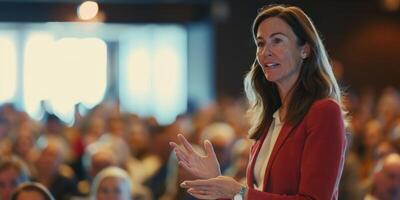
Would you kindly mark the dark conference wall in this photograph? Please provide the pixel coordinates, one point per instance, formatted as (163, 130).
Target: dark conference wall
(359, 34)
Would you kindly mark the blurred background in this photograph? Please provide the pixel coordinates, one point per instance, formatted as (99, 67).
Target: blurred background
(131, 74)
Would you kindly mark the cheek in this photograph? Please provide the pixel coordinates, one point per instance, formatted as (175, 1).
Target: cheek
(291, 57)
(280, 53)
(259, 57)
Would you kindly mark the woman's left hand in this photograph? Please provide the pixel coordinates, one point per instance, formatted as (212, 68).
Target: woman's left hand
(221, 187)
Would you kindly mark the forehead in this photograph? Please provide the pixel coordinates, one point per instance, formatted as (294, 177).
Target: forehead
(273, 25)
(111, 181)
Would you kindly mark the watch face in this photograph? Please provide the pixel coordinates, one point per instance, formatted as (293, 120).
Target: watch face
(237, 197)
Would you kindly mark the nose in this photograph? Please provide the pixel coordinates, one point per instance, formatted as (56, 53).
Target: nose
(266, 52)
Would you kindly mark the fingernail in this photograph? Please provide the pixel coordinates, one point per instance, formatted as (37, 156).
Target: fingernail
(183, 184)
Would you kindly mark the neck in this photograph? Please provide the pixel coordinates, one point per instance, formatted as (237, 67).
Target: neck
(284, 94)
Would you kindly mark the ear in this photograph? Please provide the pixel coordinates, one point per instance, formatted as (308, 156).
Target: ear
(305, 51)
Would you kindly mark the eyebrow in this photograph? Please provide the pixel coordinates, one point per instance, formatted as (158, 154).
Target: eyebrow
(273, 34)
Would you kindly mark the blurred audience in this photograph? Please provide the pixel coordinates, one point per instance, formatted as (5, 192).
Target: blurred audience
(59, 156)
(239, 159)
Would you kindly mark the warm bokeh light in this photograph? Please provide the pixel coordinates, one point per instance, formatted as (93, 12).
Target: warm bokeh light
(88, 10)
(391, 5)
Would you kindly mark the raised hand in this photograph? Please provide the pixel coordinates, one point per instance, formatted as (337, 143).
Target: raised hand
(201, 166)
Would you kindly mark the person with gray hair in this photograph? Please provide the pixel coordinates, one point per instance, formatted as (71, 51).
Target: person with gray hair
(53, 172)
(13, 171)
(386, 179)
(221, 135)
(32, 191)
(112, 183)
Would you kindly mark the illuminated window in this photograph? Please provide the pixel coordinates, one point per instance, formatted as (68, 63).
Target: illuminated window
(8, 67)
(67, 63)
(63, 72)
(153, 71)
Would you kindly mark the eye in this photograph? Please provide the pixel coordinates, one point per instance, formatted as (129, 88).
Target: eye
(260, 44)
(276, 40)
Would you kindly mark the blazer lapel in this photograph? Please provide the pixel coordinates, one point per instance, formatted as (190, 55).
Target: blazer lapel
(253, 158)
(285, 132)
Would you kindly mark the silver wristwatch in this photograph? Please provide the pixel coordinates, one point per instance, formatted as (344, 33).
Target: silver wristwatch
(240, 194)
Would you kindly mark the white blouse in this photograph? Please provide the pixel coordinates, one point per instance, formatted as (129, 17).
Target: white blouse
(265, 151)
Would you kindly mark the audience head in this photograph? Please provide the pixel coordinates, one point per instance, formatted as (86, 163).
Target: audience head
(138, 139)
(386, 180)
(12, 172)
(221, 135)
(51, 155)
(23, 142)
(112, 183)
(373, 133)
(31, 191)
(97, 157)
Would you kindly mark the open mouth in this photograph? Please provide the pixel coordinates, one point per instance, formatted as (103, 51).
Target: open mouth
(272, 65)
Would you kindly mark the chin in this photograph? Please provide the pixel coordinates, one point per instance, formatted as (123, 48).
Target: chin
(269, 78)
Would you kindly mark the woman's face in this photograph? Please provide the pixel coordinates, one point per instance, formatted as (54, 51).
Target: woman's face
(278, 53)
(113, 189)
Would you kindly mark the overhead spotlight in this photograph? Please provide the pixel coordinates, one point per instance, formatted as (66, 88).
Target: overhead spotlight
(391, 5)
(88, 10)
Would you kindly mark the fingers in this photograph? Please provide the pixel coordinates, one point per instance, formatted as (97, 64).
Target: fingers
(182, 156)
(197, 183)
(203, 192)
(173, 145)
(214, 188)
(211, 153)
(199, 194)
(209, 149)
(186, 166)
(185, 143)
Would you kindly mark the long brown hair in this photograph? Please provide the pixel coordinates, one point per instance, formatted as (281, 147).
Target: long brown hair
(316, 79)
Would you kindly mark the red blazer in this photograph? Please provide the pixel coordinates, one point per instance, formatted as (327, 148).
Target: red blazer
(307, 160)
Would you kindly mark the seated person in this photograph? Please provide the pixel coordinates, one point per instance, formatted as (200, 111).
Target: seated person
(31, 191)
(112, 183)
(12, 172)
(52, 170)
(386, 179)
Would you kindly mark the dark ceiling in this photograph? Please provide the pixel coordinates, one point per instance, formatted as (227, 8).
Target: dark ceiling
(118, 11)
(113, 1)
